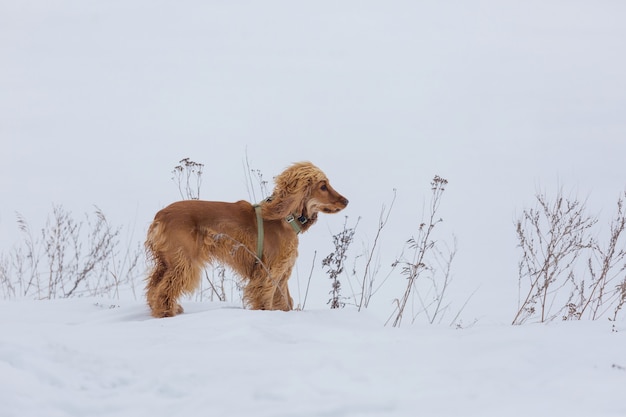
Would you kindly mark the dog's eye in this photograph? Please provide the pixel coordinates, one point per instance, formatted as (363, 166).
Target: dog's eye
(324, 187)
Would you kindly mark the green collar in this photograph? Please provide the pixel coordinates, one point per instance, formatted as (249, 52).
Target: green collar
(296, 222)
(260, 234)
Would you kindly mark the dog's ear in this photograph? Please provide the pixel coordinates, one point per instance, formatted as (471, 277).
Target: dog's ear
(304, 192)
(292, 191)
(289, 197)
(280, 207)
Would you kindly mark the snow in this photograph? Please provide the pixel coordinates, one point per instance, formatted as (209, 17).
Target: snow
(95, 357)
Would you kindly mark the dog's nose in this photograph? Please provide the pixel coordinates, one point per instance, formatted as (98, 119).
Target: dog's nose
(344, 201)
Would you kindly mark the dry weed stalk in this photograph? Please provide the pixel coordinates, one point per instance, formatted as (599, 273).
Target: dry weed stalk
(424, 247)
(335, 263)
(188, 177)
(255, 182)
(370, 272)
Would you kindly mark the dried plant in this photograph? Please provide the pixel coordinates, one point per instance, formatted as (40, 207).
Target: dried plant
(621, 298)
(255, 183)
(188, 177)
(308, 284)
(370, 271)
(68, 258)
(426, 255)
(606, 265)
(334, 263)
(552, 237)
(553, 281)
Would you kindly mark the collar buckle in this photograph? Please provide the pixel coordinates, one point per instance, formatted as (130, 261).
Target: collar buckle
(293, 222)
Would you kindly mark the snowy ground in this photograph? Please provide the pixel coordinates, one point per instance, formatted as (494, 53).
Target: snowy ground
(92, 357)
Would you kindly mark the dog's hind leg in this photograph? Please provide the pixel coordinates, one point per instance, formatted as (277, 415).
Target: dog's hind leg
(153, 280)
(179, 277)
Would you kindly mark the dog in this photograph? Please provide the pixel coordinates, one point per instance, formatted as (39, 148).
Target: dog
(186, 235)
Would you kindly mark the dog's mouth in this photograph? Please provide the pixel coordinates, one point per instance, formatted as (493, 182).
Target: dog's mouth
(334, 208)
(315, 206)
(337, 207)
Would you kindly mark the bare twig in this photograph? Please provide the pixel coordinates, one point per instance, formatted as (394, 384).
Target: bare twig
(367, 282)
(422, 246)
(308, 282)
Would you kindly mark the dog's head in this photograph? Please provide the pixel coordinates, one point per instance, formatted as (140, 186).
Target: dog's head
(304, 190)
(324, 198)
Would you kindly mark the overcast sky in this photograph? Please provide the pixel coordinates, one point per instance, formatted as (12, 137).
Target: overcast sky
(100, 100)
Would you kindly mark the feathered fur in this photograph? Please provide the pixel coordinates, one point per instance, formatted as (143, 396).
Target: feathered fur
(186, 235)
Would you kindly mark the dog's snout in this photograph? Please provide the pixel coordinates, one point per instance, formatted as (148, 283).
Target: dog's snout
(344, 201)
